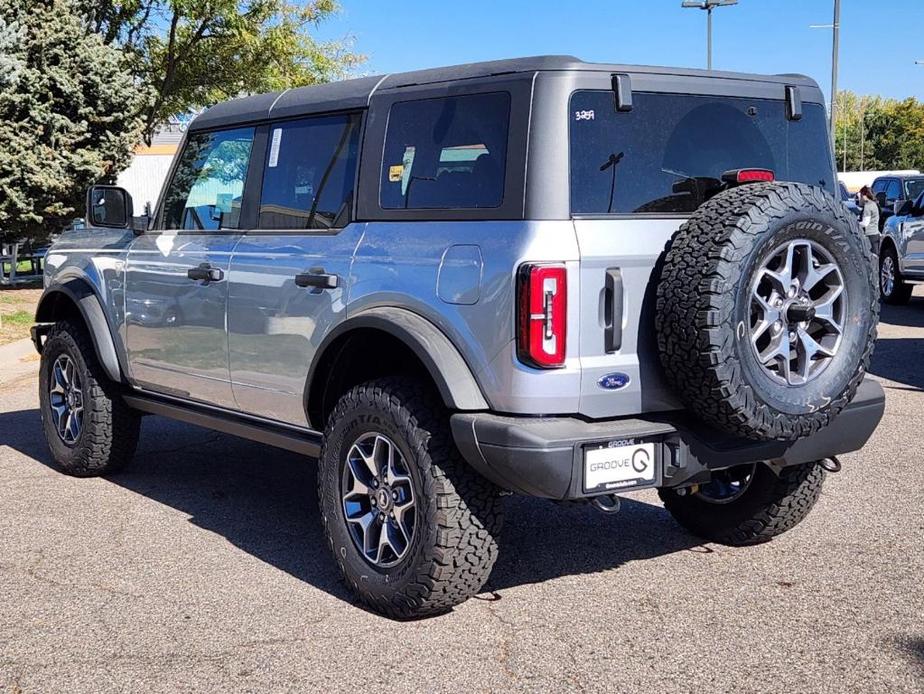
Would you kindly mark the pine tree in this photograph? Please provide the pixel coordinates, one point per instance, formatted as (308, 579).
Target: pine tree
(68, 114)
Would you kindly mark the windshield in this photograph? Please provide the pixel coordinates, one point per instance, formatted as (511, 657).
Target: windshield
(668, 154)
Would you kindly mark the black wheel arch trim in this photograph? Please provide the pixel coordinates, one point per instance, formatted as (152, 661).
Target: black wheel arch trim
(450, 373)
(81, 294)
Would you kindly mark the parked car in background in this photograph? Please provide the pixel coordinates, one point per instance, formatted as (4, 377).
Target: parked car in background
(893, 191)
(901, 252)
(850, 201)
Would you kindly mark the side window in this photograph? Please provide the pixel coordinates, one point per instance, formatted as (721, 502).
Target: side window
(310, 173)
(879, 185)
(208, 184)
(446, 153)
(893, 190)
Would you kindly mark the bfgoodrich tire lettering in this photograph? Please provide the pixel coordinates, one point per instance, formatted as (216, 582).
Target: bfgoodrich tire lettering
(453, 547)
(704, 310)
(109, 428)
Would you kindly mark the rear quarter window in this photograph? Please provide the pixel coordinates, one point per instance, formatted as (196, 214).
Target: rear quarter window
(446, 153)
(668, 154)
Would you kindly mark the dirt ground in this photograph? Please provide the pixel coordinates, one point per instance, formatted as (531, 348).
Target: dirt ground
(17, 311)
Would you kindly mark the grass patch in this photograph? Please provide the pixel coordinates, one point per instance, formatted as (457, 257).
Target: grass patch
(17, 318)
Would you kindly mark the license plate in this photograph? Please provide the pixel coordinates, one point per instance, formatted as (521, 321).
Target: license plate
(619, 467)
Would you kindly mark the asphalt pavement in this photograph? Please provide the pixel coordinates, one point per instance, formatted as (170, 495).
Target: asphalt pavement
(202, 568)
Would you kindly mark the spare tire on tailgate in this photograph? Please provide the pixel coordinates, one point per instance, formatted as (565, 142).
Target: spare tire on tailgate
(767, 308)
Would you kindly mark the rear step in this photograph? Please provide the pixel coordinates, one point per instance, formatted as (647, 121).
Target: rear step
(304, 441)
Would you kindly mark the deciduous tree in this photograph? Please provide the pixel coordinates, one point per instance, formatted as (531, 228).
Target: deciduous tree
(192, 53)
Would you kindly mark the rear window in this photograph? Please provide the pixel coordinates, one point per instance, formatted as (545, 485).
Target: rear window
(446, 153)
(669, 152)
(310, 173)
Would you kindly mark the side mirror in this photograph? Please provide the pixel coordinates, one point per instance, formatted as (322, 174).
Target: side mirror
(903, 208)
(109, 207)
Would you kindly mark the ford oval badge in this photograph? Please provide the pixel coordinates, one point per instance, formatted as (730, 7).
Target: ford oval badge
(616, 381)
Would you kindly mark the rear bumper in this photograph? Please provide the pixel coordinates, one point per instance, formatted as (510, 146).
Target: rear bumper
(543, 456)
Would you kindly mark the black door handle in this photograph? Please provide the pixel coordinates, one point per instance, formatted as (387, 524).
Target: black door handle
(206, 273)
(317, 278)
(612, 311)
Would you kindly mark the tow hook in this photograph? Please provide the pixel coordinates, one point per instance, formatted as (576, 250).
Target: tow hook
(831, 464)
(608, 503)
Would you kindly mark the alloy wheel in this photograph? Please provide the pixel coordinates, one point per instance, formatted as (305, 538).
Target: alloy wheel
(66, 399)
(797, 311)
(379, 502)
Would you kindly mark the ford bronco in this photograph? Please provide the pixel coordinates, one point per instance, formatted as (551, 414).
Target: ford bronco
(540, 276)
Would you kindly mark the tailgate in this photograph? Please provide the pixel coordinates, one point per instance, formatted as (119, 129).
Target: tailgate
(617, 304)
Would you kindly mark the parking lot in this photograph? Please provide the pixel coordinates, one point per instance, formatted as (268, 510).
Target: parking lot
(202, 567)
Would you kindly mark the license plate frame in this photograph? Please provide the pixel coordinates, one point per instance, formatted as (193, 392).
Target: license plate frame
(620, 465)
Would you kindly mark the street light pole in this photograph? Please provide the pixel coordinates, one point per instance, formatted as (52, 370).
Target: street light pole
(835, 51)
(709, 37)
(708, 5)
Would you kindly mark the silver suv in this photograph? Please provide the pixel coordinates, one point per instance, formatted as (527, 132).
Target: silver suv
(541, 276)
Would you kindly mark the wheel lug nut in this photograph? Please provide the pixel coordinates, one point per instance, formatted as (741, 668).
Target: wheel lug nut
(373, 501)
(375, 483)
(394, 495)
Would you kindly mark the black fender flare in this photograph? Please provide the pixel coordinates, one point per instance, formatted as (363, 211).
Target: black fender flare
(81, 294)
(453, 378)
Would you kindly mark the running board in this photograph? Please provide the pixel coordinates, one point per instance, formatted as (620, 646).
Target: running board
(305, 442)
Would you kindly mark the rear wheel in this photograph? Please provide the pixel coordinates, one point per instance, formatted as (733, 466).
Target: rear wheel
(410, 524)
(892, 286)
(89, 429)
(747, 504)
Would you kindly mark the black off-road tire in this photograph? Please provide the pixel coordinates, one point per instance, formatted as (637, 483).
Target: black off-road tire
(901, 290)
(769, 506)
(703, 303)
(459, 513)
(110, 429)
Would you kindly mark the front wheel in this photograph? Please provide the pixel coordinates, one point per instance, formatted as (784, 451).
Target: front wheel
(88, 427)
(747, 504)
(410, 524)
(892, 286)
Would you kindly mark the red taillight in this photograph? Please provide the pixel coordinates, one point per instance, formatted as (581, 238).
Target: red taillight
(542, 315)
(748, 176)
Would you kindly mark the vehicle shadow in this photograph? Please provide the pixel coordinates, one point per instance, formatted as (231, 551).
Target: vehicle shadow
(898, 358)
(263, 501)
(911, 315)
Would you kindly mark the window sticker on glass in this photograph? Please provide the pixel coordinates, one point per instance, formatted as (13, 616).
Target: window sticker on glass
(395, 173)
(223, 202)
(274, 148)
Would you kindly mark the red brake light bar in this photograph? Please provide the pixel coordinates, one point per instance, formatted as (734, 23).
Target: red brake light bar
(748, 176)
(542, 315)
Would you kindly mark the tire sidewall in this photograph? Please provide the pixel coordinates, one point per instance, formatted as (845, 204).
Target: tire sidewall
(844, 246)
(376, 582)
(61, 342)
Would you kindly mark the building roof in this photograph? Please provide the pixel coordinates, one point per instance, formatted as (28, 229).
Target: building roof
(355, 93)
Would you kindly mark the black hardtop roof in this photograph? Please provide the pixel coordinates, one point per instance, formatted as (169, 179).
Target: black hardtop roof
(355, 93)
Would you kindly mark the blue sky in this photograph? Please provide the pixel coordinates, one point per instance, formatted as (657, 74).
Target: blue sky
(880, 39)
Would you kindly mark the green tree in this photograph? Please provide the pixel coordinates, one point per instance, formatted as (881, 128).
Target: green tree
(66, 114)
(192, 53)
(872, 133)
